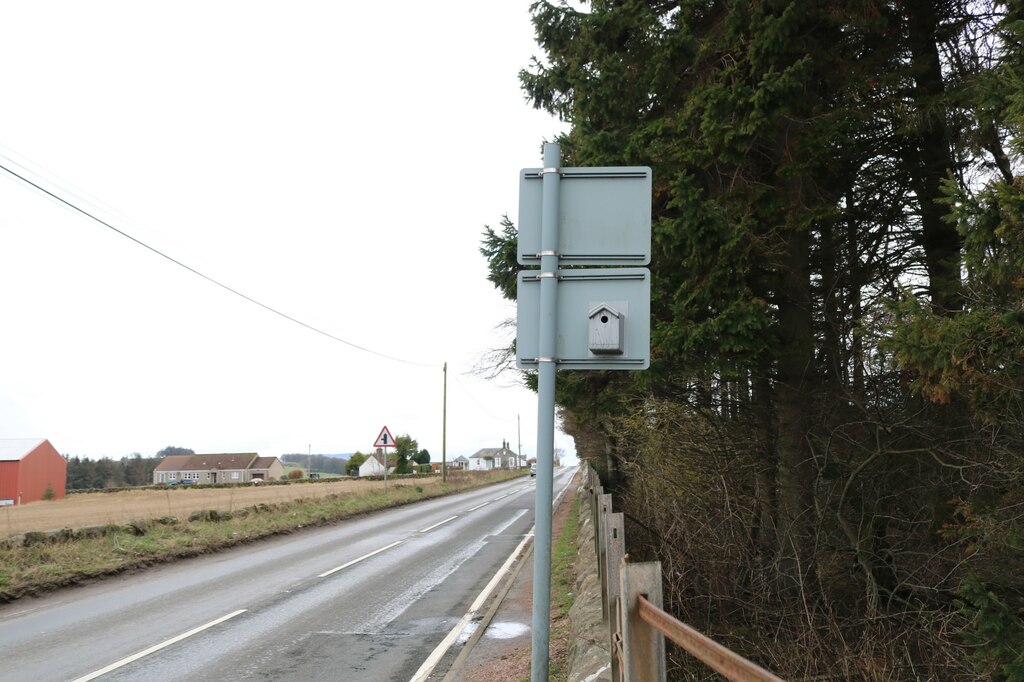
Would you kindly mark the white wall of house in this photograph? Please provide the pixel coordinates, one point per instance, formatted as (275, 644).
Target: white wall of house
(481, 463)
(371, 467)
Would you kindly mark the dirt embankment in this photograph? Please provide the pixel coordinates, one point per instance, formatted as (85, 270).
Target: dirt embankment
(94, 509)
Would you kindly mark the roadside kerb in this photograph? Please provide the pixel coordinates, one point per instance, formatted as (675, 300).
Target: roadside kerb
(524, 549)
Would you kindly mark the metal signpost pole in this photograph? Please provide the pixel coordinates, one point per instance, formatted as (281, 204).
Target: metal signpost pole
(545, 413)
(444, 428)
(593, 319)
(384, 441)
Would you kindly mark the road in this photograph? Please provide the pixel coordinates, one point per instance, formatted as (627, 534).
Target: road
(366, 599)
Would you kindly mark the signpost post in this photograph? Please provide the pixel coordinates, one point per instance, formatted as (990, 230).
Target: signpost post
(577, 319)
(444, 427)
(384, 440)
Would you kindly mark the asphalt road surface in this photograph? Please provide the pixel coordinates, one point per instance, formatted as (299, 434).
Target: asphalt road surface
(366, 599)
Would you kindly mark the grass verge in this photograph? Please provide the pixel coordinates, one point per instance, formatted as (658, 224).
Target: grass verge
(71, 558)
(563, 578)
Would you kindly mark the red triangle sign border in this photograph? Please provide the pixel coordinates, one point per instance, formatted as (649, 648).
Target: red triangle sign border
(384, 439)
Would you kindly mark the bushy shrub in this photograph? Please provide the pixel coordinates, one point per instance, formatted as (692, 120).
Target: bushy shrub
(997, 633)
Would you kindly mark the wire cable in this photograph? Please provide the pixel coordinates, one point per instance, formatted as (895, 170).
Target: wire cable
(478, 403)
(209, 279)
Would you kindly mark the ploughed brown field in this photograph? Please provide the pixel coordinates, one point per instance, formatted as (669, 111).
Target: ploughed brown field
(95, 509)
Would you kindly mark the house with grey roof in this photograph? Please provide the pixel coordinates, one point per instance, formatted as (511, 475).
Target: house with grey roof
(504, 457)
(243, 467)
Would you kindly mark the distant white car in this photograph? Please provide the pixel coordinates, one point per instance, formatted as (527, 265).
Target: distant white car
(533, 470)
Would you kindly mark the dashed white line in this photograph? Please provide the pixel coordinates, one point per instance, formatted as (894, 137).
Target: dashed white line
(440, 523)
(478, 507)
(356, 561)
(153, 649)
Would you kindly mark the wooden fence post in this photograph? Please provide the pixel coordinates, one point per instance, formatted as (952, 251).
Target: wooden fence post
(615, 548)
(643, 646)
(604, 511)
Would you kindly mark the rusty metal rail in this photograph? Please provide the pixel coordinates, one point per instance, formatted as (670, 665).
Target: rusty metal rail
(631, 608)
(720, 659)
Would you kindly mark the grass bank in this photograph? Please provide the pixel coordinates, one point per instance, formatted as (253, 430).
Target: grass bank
(563, 578)
(39, 562)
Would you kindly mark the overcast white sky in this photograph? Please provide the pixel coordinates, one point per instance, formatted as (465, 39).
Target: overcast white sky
(335, 161)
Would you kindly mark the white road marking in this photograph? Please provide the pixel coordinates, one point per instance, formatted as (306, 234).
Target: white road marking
(153, 649)
(478, 507)
(435, 656)
(441, 649)
(450, 518)
(356, 561)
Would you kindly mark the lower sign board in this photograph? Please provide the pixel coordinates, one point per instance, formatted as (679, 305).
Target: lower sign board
(604, 319)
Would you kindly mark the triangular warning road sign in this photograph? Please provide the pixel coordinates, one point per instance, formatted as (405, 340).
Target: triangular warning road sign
(384, 440)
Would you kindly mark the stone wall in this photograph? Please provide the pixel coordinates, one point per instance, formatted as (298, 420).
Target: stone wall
(589, 655)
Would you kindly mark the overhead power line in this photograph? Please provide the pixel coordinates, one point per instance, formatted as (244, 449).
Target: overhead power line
(55, 196)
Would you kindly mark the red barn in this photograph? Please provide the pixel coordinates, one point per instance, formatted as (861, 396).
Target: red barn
(28, 467)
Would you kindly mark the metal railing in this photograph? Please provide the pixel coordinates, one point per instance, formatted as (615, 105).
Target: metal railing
(631, 606)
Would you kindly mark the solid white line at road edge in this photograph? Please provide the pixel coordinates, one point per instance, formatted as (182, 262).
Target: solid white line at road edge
(153, 649)
(441, 649)
(356, 561)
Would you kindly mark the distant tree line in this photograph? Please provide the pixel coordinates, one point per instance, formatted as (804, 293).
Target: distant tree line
(131, 470)
(134, 469)
(405, 456)
(324, 464)
(84, 473)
